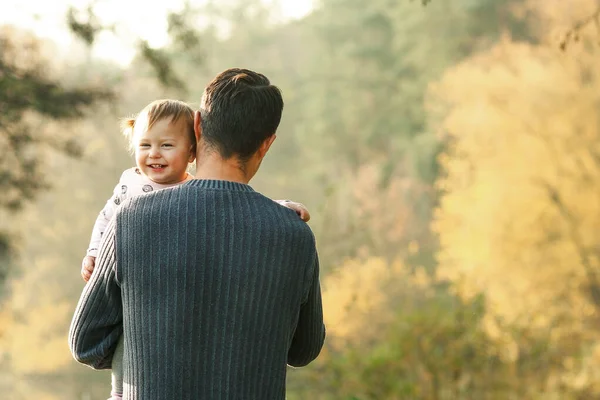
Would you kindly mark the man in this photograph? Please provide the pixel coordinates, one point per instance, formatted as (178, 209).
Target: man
(214, 287)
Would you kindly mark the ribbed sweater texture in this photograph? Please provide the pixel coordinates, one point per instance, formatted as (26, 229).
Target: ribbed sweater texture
(215, 289)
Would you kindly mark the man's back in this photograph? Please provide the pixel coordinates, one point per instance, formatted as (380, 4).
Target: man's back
(211, 312)
(214, 287)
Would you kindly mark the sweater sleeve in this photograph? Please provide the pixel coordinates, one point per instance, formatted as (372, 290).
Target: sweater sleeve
(310, 331)
(105, 216)
(97, 322)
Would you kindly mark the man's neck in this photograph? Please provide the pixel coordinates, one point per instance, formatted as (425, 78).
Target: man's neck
(212, 166)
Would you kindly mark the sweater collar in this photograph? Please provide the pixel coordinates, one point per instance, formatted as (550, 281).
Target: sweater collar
(219, 185)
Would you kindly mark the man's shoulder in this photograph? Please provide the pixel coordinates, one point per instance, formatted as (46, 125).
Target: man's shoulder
(286, 219)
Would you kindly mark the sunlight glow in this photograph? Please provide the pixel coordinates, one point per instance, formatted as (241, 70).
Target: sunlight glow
(133, 19)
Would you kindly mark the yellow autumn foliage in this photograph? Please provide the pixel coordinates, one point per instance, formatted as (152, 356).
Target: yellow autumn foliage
(42, 329)
(358, 294)
(38, 322)
(520, 211)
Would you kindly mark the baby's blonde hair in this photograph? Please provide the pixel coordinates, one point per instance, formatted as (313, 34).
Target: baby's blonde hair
(156, 111)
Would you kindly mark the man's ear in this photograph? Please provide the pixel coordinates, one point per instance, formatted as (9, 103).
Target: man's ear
(264, 147)
(197, 126)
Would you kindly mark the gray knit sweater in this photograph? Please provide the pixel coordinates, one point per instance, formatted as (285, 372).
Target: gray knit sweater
(215, 289)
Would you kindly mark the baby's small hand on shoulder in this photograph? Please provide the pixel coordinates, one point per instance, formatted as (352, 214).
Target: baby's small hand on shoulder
(299, 208)
(87, 267)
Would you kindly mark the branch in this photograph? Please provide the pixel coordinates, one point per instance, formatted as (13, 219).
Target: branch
(87, 27)
(584, 253)
(161, 64)
(573, 33)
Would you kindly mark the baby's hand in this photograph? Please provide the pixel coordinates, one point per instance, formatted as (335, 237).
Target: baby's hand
(300, 209)
(87, 267)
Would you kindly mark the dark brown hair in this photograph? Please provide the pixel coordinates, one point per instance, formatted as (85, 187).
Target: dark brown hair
(240, 109)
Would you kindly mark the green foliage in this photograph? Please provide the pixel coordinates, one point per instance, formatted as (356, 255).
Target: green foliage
(184, 35)
(160, 62)
(438, 348)
(435, 349)
(31, 101)
(84, 23)
(26, 90)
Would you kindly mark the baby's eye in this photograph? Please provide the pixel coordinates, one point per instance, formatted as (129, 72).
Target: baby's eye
(167, 145)
(144, 145)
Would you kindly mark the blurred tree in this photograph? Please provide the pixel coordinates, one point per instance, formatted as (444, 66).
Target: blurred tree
(29, 98)
(84, 24)
(28, 89)
(395, 334)
(573, 32)
(357, 91)
(372, 78)
(519, 215)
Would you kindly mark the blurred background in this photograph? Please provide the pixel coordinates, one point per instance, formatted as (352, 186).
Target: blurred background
(448, 151)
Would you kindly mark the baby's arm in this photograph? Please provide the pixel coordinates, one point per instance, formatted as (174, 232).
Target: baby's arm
(100, 226)
(300, 208)
(89, 261)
